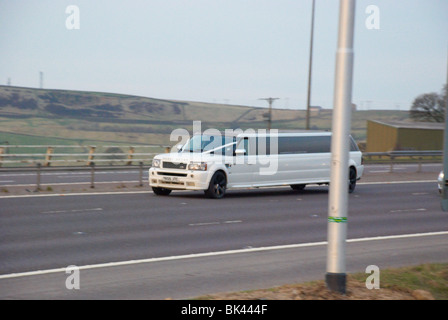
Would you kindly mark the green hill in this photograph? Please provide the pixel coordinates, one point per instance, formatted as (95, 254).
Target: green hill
(44, 116)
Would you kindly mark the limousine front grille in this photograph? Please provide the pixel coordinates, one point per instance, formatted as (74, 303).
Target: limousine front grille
(172, 165)
(173, 174)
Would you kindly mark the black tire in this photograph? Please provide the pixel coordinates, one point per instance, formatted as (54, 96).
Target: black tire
(351, 180)
(217, 186)
(298, 187)
(161, 191)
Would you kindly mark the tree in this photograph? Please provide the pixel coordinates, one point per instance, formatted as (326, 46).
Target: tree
(430, 107)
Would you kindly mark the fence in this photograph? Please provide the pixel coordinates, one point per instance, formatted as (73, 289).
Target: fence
(110, 155)
(397, 157)
(39, 162)
(50, 157)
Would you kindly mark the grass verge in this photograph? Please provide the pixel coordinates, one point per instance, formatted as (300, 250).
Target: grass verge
(422, 282)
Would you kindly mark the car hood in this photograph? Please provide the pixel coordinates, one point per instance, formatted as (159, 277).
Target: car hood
(183, 157)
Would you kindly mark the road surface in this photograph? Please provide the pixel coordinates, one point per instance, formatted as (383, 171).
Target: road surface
(136, 245)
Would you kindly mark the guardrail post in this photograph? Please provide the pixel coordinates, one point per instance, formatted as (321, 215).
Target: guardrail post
(92, 174)
(91, 155)
(391, 164)
(2, 150)
(38, 177)
(419, 164)
(130, 155)
(48, 156)
(141, 174)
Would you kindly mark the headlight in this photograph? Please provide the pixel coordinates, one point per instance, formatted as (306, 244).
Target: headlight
(198, 166)
(155, 163)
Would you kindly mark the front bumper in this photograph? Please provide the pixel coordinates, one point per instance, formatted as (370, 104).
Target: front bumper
(178, 179)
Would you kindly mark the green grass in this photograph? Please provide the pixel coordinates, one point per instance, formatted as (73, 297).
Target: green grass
(152, 123)
(397, 283)
(430, 277)
(23, 139)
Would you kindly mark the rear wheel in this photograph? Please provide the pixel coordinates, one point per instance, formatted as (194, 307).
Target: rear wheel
(217, 186)
(161, 191)
(352, 180)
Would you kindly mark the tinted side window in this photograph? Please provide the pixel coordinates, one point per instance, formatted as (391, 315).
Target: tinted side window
(295, 145)
(310, 144)
(353, 145)
(317, 144)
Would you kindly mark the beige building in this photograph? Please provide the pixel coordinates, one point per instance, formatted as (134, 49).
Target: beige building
(401, 135)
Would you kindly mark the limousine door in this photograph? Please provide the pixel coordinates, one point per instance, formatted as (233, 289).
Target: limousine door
(241, 170)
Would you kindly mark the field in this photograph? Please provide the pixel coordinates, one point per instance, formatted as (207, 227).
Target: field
(63, 117)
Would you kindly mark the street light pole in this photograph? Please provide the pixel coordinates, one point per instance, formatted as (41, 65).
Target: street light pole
(338, 195)
(310, 63)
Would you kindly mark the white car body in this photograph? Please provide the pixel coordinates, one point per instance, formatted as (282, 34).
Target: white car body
(243, 169)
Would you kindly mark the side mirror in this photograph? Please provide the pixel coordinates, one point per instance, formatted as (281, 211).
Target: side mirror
(240, 152)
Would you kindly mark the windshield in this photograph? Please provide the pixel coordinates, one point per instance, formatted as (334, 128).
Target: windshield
(210, 144)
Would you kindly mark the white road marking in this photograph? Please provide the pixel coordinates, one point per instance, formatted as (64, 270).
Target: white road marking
(76, 210)
(398, 182)
(74, 194)
(213, 223)
(67, 183)
(203, 224)
(217, 253)
(408, 210)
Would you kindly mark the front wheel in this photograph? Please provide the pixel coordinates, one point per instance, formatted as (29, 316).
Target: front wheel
(161, 191)
(217, 186)
(351, 180)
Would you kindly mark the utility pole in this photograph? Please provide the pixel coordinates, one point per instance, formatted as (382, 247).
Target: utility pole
(308, 100)
(41, 79)
(270, 101)
(338, 195)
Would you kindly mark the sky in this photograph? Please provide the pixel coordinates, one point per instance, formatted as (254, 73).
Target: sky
(225, 51)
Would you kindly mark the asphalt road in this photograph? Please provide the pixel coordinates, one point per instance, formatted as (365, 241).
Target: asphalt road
(178, 246)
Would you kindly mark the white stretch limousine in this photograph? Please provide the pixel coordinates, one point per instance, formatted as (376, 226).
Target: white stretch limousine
(216, 163)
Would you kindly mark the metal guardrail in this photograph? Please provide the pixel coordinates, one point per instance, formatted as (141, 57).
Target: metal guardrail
(42, 161)
(404, 156)
(50, 157)
(38, 169)
(76, 161)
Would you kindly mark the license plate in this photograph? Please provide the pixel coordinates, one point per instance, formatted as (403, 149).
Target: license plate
(170, 179)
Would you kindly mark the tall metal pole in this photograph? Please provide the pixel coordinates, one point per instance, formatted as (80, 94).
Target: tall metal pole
(338, 196)
(310, 63)
(444, 201)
